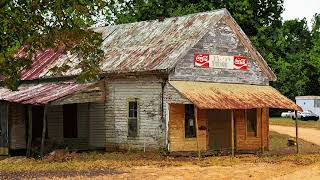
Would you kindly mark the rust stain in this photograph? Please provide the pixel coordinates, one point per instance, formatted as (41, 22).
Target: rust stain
(134, 47)
(38, 94)
(233, 96)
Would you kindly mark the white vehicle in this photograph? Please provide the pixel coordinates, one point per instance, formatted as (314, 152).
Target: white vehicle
(288, 114)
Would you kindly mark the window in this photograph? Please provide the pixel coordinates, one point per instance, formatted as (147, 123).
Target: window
(252, 122)
(317, 103)
(133, 119)
(189, 121)
(70, 118)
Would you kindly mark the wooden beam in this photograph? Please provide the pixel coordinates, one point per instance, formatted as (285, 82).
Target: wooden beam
(262, 130)
(43, 130)
(197, 130)
(232, 134)
(29, 143)
(297, 137)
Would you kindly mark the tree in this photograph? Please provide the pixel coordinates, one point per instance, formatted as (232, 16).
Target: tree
(33, 25)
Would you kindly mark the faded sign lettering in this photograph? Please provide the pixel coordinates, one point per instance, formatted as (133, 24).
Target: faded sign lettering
(221, 62)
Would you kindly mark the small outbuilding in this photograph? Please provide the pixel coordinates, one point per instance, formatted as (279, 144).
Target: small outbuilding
(186, 84)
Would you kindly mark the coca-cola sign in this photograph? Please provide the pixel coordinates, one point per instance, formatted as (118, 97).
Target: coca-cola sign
(221, 62)
(201, 60)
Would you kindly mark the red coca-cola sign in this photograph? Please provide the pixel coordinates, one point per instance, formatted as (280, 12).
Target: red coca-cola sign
(201, 60)
(240, 62)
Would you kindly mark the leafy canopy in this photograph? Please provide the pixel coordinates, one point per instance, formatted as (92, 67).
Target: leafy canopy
(32, 25)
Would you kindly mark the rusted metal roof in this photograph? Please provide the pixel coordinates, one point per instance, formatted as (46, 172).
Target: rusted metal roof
(135, 47)
(38, 94)
(232, 96)
(141, 46)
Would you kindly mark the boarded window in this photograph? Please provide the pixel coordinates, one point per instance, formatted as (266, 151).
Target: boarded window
(133, 119)
(317, 103)
(252, 122)
(189, 118)
(70, 118)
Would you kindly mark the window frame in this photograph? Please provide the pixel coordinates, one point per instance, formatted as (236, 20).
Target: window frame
(137, 100)
(316, 103)
(256, 133)
(194, 121)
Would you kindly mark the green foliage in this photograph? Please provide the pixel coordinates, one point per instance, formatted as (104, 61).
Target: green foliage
(290, 48)
(34, 25)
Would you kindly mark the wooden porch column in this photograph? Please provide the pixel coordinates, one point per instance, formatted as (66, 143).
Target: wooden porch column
(232, 134)
(43, 130)
(29, 143)
(296, 115)
(262, 130)
(197, 130)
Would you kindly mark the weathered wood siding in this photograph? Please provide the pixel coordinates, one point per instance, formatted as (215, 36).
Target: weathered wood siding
(17, 126)
(243, 142)
(220, 41)
(91, 125)
(91, 94)
(97, 125)
(55, 123)
(148, 91)
(177, 139)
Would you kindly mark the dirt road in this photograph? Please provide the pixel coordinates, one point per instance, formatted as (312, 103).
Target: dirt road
(307, 134)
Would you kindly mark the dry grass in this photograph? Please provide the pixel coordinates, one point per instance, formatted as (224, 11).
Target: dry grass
(94, 160)
(291, 122)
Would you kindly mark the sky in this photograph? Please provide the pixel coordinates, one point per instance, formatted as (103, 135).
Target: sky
(300, 9)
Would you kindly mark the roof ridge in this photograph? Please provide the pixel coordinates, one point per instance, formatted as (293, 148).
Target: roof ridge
(221, 10)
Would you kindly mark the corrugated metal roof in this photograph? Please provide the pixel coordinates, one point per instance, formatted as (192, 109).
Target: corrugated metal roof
(135, 47)
(232, 96)
(141, 46)
(43, 93)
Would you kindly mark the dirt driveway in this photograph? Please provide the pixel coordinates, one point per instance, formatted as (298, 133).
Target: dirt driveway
(307, 134)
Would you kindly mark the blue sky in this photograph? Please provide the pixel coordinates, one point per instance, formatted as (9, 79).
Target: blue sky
(300, 9)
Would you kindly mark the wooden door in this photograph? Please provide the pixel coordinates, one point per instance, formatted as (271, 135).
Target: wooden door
(4, 150)
(219, 129)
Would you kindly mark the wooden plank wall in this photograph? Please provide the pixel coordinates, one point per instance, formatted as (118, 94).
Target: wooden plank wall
(220, 41)
(250, 143)
(177, 139)
(17, 126)
(147, 90)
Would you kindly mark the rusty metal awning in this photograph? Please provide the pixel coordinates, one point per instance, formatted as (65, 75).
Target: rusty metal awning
(207, 95)
(43, 93)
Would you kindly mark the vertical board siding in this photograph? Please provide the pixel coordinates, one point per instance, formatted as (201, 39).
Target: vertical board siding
(177, 139)
(250, 143)
(55, 123)
(17, 126)
(220, 41)
(97, 127)
(151, 132)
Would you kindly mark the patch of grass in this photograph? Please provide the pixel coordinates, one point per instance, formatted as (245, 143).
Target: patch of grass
(278, 145)
(94, 160)
(291, 122)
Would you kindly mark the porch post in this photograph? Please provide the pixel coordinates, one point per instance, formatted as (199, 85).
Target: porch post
(197, 130)
(29, 131)
(43, 130)
(296, 115)
(262, 134)
(232, 134)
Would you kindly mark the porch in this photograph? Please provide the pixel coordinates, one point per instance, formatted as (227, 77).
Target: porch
(221, 117)
(39, 118)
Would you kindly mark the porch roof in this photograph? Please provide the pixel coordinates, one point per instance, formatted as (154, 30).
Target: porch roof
(43, 93)
(207, 95)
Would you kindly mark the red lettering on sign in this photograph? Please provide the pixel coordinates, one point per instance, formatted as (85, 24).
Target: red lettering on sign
(240, 62)
(201, 60)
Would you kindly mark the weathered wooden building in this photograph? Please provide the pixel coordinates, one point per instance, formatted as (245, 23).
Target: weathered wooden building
(190, 83)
